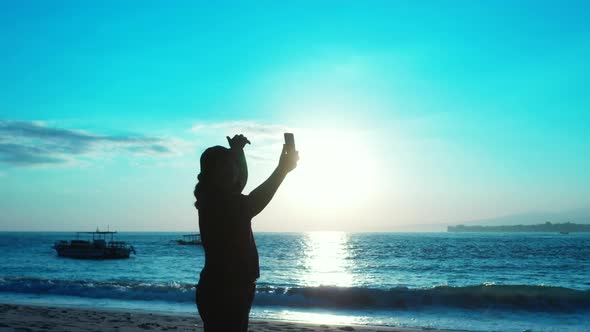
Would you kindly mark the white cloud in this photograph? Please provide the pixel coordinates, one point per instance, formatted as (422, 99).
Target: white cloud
(251, 129)
(29, 143)
(264, 137)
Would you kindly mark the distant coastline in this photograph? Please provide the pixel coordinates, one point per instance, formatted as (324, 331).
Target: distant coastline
(567, 227)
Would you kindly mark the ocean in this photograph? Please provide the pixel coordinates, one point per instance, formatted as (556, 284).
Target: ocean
(469, 281)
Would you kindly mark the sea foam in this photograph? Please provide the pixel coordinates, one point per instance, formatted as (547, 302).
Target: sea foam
(519, 297)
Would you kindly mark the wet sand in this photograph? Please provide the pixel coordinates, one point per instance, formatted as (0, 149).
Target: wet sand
(40, 318)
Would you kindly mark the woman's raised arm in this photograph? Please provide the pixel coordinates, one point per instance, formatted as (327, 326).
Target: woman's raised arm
(236, 145)
(259, 198)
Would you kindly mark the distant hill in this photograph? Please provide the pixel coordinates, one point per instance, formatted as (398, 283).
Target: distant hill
(546, 227)
(581, 216)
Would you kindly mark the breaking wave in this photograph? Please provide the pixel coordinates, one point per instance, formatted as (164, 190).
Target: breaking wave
(520, 297)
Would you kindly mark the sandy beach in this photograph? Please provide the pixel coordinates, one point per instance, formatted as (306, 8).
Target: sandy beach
(40, 318)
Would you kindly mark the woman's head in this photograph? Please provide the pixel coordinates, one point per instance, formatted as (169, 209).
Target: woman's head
(219, 171)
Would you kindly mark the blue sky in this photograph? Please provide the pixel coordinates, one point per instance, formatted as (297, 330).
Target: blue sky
(417, 112)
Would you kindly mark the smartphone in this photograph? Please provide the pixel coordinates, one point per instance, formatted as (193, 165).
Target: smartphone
(290, 141)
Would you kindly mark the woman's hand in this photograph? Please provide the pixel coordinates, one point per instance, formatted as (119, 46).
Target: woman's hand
(288, 160)
(238, 141)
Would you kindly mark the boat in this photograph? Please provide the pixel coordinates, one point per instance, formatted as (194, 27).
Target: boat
(565, 233)
(97, 248)
(190, 239)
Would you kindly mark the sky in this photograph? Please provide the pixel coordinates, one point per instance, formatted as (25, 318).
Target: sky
(405, 113)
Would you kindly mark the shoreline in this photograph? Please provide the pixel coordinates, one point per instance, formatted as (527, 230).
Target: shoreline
(30, 317)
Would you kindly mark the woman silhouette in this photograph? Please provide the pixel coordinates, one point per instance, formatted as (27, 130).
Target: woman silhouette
(226, 287)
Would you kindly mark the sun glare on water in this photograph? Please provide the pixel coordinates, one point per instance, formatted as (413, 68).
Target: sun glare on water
(326, 261)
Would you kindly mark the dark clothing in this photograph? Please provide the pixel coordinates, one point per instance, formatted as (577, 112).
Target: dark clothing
(231, 256)
(225, 308)
(226, 288)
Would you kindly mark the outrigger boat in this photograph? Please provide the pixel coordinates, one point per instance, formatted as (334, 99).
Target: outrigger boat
(98, 248)
(190, 239)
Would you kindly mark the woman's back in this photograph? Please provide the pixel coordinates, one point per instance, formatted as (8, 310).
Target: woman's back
(230, 250)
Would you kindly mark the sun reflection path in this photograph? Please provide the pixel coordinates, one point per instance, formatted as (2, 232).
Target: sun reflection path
(327, 260)
(316, 317)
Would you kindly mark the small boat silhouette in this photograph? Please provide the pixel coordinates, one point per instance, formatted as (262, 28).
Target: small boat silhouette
(190, 239)
(97, 248)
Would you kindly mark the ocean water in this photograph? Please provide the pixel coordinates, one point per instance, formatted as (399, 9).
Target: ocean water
(471, 281)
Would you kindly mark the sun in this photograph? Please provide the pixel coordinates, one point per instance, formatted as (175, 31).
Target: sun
(337, 169)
